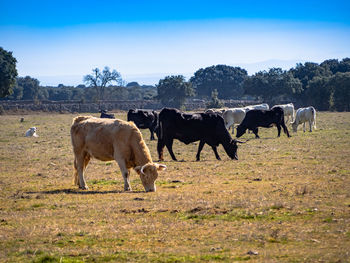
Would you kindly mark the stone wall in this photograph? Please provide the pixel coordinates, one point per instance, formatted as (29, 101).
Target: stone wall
(77, 106)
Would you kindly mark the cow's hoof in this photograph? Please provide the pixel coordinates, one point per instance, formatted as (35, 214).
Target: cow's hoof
(84, 187)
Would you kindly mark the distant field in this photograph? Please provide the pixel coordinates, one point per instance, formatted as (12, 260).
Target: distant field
(285, 199)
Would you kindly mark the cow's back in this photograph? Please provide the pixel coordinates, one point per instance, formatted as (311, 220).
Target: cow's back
(263, 118)
(99, 137)
(253, 118)
(305, 114)
(191, 127)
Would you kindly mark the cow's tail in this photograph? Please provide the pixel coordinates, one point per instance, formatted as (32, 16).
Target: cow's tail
(314, 116)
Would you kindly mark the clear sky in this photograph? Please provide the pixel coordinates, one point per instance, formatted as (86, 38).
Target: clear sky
(61, 41)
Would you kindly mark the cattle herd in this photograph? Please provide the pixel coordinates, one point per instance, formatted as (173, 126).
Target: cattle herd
(107, 138)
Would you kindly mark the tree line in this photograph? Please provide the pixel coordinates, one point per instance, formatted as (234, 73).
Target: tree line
(326, 86)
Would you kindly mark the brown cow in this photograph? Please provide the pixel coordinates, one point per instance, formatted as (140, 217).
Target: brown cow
(112, 139)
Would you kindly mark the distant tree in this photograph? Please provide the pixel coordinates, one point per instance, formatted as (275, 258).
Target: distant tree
(344, 65)
(272, 86)
(17, 93)
(340, 83)
(99, 80)
(30, 87)
(215, 102)
(305, 73)
(119, 93)
(132, 84)
(332, 65)
(173, 91)
(8, 72)
(226, 80)
(61, 93)
(319, 93)
(77, 94)
(135, 93)
(43, 93)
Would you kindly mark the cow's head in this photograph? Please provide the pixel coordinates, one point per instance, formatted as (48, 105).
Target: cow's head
(232, 149)
(148, 174)
(240, 131)
(294, 126)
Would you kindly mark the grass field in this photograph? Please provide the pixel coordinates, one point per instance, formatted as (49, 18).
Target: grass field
(284, 200)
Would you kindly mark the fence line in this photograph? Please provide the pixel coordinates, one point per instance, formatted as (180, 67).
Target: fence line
(78, 106)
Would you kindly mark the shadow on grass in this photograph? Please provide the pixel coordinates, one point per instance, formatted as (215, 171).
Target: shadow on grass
(83, 192)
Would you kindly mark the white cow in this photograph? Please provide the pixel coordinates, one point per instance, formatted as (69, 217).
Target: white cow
(302, 116)
(288, 110)
(31, 132)
(232, 116)
(263, 106)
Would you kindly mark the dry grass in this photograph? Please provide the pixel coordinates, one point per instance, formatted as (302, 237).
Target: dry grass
(286, 199)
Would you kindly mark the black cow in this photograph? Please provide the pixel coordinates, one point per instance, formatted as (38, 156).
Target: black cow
(262, 118)
(104, 114)
(207, 128)
(144, 119)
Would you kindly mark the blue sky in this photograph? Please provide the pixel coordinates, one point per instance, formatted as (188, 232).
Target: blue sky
(61, 41)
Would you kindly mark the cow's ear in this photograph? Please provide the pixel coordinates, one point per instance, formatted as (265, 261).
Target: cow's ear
(160, 167)
(138, 169)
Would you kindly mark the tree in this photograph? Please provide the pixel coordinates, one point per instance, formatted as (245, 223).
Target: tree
(17, 93)
(273, 86)
(30, 87)
(340, 83)
(331, 65)
(8, 72)
(319, 93)
(99, 80)
(226, 80)
(306, 73)
(133, 84)
(215, 102)
(173, 91)
(344, 65)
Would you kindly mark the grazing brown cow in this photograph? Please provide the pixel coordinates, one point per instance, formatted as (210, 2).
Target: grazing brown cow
(112, 139)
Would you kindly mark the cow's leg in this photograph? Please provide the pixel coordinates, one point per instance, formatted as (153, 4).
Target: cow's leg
(279, 130)
(152, 134)
(160, 149)
(125, 172)
(310, 124)
(216, 153)
(304, 126)
(76, 180)
(86, 162)
(255, 131)
(169, 146)
(233, 128)
(285, 129)
(79, 164)
(200, 147)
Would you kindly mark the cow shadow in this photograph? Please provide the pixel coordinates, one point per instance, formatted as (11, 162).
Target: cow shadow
(83, 192)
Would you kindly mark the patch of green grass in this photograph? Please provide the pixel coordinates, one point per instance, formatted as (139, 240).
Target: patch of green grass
(38, 205)
(137, 256)
(328, 220)
(46, 259)
(273, 215)
(103, 182)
